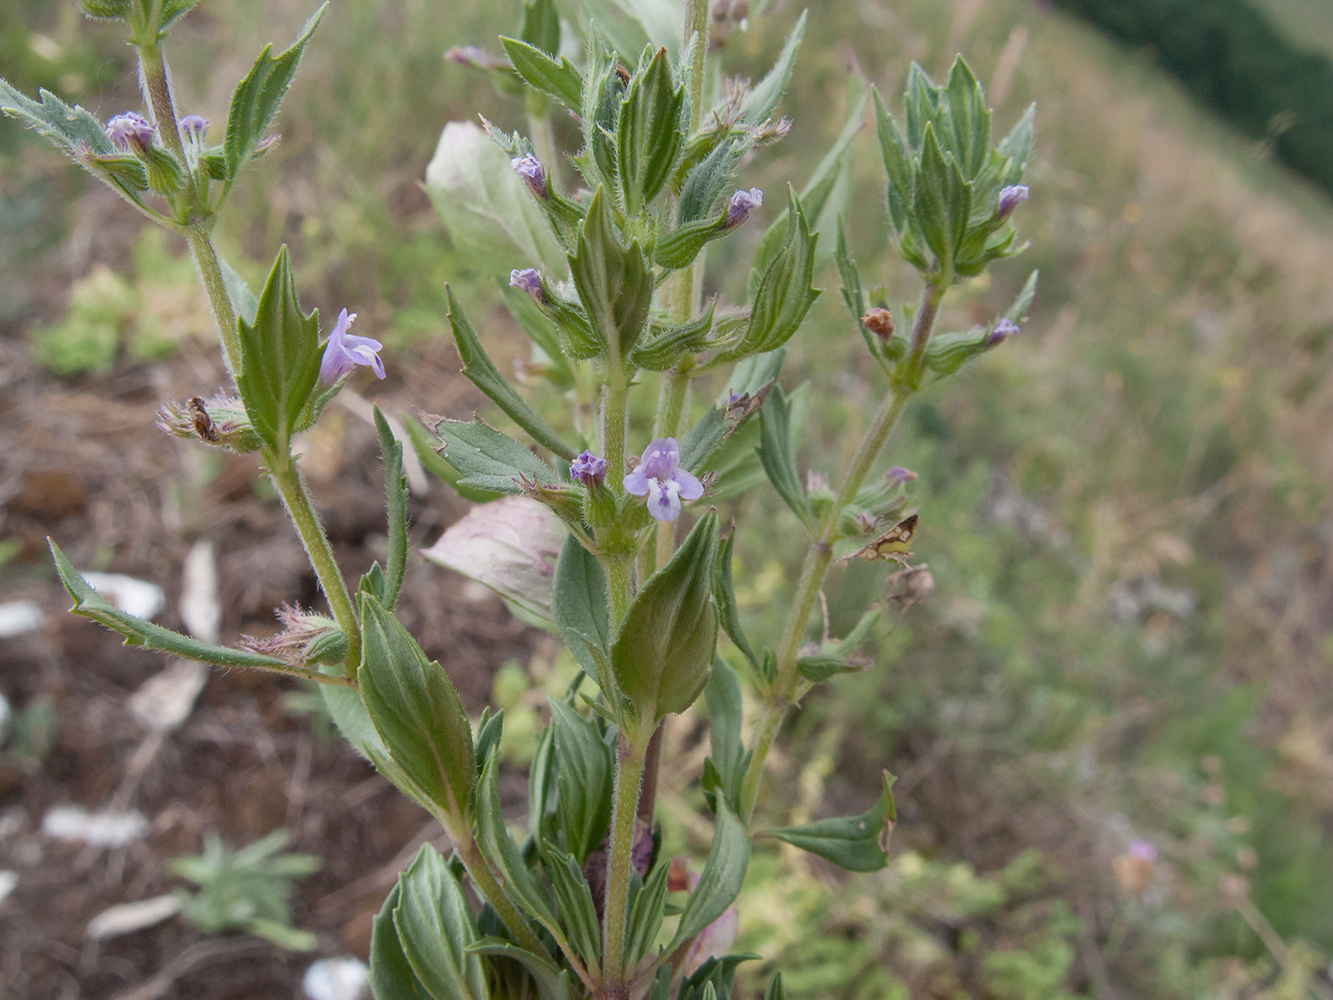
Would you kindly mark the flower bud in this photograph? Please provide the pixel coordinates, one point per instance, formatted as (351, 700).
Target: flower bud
(897, 475)
(588, 469)
(528, 280)
(530, 169)
(193, 128)
(1001, 332)
(740, 206)
(1010, 198)
(879, 321)
(130, 131)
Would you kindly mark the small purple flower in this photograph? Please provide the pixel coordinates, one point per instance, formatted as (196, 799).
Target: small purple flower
(1010, 198)
(660, 478)
(740, 206)
(1001, 332)
(527, 280)
(588, 469)
(194, 128)
(1142, 850)
(533, 173)
(130, 131)
(343, 351)
(898, 474)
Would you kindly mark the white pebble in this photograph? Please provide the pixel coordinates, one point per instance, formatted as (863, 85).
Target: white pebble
(100, 829)
(341, 978)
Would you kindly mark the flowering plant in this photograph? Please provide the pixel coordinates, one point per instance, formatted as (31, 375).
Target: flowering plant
(610, 290)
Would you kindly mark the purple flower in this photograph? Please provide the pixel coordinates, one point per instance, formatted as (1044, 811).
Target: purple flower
(1001, 332)
(193, 128)
(527, 280)
(1010, 198)
(130, 131)
(588, 469)
(1142, 850)
(660, 478)
(898, 474)
(343, 351)
(533, 173)
(740, 206)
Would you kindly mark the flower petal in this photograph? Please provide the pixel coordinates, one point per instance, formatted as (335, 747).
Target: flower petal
(690, 487)
(637, 483)
(664, 500)
(661, 458)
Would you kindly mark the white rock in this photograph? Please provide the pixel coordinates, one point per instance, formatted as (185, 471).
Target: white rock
(126, 918)
(165, 700)
(199, 605)
(343, 978)
(8, 880)
(100, 829)
(17, 617)
(136, 597)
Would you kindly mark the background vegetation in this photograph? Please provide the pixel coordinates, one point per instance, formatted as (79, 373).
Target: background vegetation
(1125, 510)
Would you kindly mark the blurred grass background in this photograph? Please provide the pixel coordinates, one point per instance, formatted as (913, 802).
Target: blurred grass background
(1125, 510)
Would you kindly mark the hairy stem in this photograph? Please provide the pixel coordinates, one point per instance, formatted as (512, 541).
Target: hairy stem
(470, 854)
(820, 554)
(629, 775)
(286, 476)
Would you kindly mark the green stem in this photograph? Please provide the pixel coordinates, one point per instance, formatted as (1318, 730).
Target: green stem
(613, 426)
(696, 27)
(629, 774)
(475, 864)
(286, 476)
(620, 586)
(819, 556)
(210, 274)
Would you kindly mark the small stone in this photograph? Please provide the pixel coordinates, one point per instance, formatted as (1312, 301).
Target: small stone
(343, 978)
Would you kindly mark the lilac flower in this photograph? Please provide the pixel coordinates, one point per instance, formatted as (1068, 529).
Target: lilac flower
(527, 280)
(130, 131)
(343, 351)
(588, 469)
(193, 128)
(1010, 198)
(533, 173)
(740, 206)
(898, 474)
(1142, 850)
(1001, 332)
(660, 478)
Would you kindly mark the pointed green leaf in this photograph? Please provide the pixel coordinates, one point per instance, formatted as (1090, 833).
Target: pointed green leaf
(664, 347)
(922, 104)
(821, 666)
(395, 487)
(581, 606)
(585, 771)
(776, 991)
(703, 185)
(72, 129)
(1017, 145)
(728, 614)
(614, 283)
(280, 356)
(650, 133)
(856, 843)
(943, 201)
(778, 455)
(424, 443)
(137, 632)
(646, 913)
(967, 119)
(105, 10)
(763, 99)
(541, 27)
(481, 371)
(664, 649)
(561, 79)
(578, 916)
(489, 460)
(391, 975)
(1019, 310)
(723, 873)
(898, 165)
(173, 11)
(552, 982)
(415, 710)
(435, 930)
(727, 756)
(256, 98)
(503, 855)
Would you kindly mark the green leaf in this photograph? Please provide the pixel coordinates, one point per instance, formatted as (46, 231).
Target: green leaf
(778, 455)
(821, 666)
(578, 916)
(703, 185)
(173, 11)
(726, 751)
(72, 129)
(776, 991)
(541, 329)
(1017, 312)
(664, 347)
(581, 607)
(280, 356)
(481, 371)
(490, 460)
(541, 28)
(585, 770)
(922, 104)
(256, 98)
(105, 10)
(137, 632)
(650, 133)
(942, 201)
(395, 488)
(603, 90)
(1017, 145)
(898, 164)
(503, 855)
(391, 975)
(561, 79)
(725, 590)
(966, 119)
(552, 982)
(614, 283)
(243, 301)
(763, 98)
(723, 873)
(679, 247)
(664, 649)
(435, 929)
(856, 843)
(424, 444)
(645, 916)
(714, 978)
(416, 711)
(785, 293)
